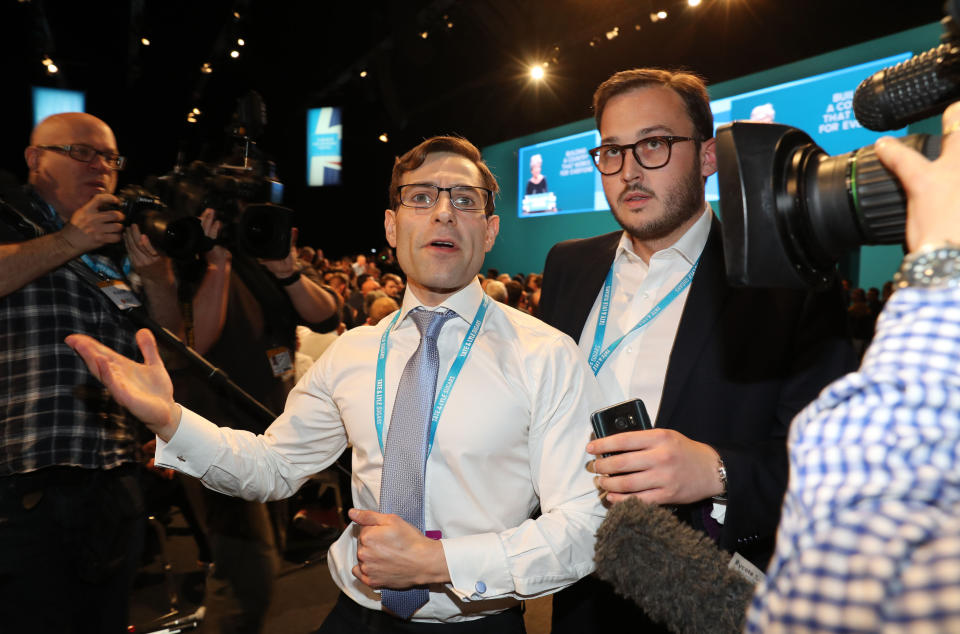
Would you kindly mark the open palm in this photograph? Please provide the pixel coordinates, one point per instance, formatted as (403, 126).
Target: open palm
(144, 389)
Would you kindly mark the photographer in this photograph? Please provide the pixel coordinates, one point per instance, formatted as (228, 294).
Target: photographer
(245, 314)
(71, 514)
(870, 537)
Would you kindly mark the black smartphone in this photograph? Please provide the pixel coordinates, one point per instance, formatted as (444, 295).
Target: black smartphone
(627, 416)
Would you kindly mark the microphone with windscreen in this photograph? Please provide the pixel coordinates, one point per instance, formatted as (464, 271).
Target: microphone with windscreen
(675, 573)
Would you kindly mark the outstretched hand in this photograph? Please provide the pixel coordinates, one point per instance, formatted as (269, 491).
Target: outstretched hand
(144, 389)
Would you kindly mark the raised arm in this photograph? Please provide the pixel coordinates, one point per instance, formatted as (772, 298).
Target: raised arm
(89, 228)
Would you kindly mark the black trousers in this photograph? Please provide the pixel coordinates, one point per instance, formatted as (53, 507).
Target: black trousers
(348, 617)
(590, 606)
(70, 543)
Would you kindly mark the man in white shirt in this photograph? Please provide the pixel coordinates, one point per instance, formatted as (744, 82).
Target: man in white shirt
(510, 436)
(721, 370)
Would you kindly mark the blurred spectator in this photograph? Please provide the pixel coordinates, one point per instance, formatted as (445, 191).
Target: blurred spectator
(380, 308)
(496, 290)
(392, 286)
(359, 265)
(515, 296)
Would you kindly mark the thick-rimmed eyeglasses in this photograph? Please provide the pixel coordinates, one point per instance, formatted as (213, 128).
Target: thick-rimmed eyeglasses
(86, 154)
(652, 153)
(464, 197)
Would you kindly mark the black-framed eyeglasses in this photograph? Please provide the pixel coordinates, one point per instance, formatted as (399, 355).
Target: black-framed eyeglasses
(652, 152)
(421, 196)
(85, 154)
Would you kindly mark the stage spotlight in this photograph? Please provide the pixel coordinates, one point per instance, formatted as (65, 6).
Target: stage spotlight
(52, 69)
(46, 61)
(206, 69)
(234, 54)
(383, 138)
(363, 73)
(424, 35)
(196, 111)
(536, 72)
(613, 33)
(145, 41)
(694, 3)
(662, 15)
(191, 118)
(241, 42)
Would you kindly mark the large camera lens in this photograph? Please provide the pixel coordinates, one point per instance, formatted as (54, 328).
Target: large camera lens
(177, 237)
(790, 211)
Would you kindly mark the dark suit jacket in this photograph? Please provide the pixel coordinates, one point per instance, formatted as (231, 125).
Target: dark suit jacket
(743, 363)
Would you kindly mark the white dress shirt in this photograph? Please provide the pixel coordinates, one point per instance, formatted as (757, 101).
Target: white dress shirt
(638, 366)
(512, 436)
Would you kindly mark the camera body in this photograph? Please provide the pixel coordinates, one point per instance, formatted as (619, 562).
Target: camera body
(169, 215)
(790, 211)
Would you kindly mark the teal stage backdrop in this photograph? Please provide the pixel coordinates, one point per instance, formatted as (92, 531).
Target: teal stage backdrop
(524, 242)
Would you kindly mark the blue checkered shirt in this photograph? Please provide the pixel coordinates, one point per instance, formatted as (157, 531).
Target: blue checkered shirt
(52, 410)
(870, 535)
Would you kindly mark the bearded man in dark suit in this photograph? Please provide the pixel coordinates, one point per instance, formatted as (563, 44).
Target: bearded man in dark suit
(722, 370)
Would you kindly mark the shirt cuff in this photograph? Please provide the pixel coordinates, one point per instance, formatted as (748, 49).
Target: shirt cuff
(478, 567)
(192, 448)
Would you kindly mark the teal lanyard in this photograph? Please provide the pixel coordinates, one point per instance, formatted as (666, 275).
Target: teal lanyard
(441, 401)
(598, 357)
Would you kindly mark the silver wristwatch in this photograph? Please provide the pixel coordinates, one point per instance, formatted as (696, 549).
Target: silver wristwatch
(934, 266)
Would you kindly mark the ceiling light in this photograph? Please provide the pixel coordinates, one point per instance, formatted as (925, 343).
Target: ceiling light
(234, 54)
(46, 61)
(694, 3)
(424, 34)
(363, 73)
(383, 137)
(536, 72)
(613, 33)
(145, 41)
(206, 69)
(52, 68)
(241, 42)
(196, 111)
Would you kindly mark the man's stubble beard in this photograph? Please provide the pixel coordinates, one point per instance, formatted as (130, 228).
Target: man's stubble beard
(682, 202)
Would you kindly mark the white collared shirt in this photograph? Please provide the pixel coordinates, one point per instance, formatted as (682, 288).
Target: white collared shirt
(638, 366)
(512, 436)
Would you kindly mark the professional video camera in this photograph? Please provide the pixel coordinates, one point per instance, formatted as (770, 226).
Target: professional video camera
(244, 193)
(790, 211)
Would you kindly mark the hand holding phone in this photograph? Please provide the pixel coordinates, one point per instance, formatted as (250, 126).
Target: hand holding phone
(627, 416)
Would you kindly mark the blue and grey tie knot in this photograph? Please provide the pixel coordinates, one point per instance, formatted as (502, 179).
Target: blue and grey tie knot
(429, 323)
